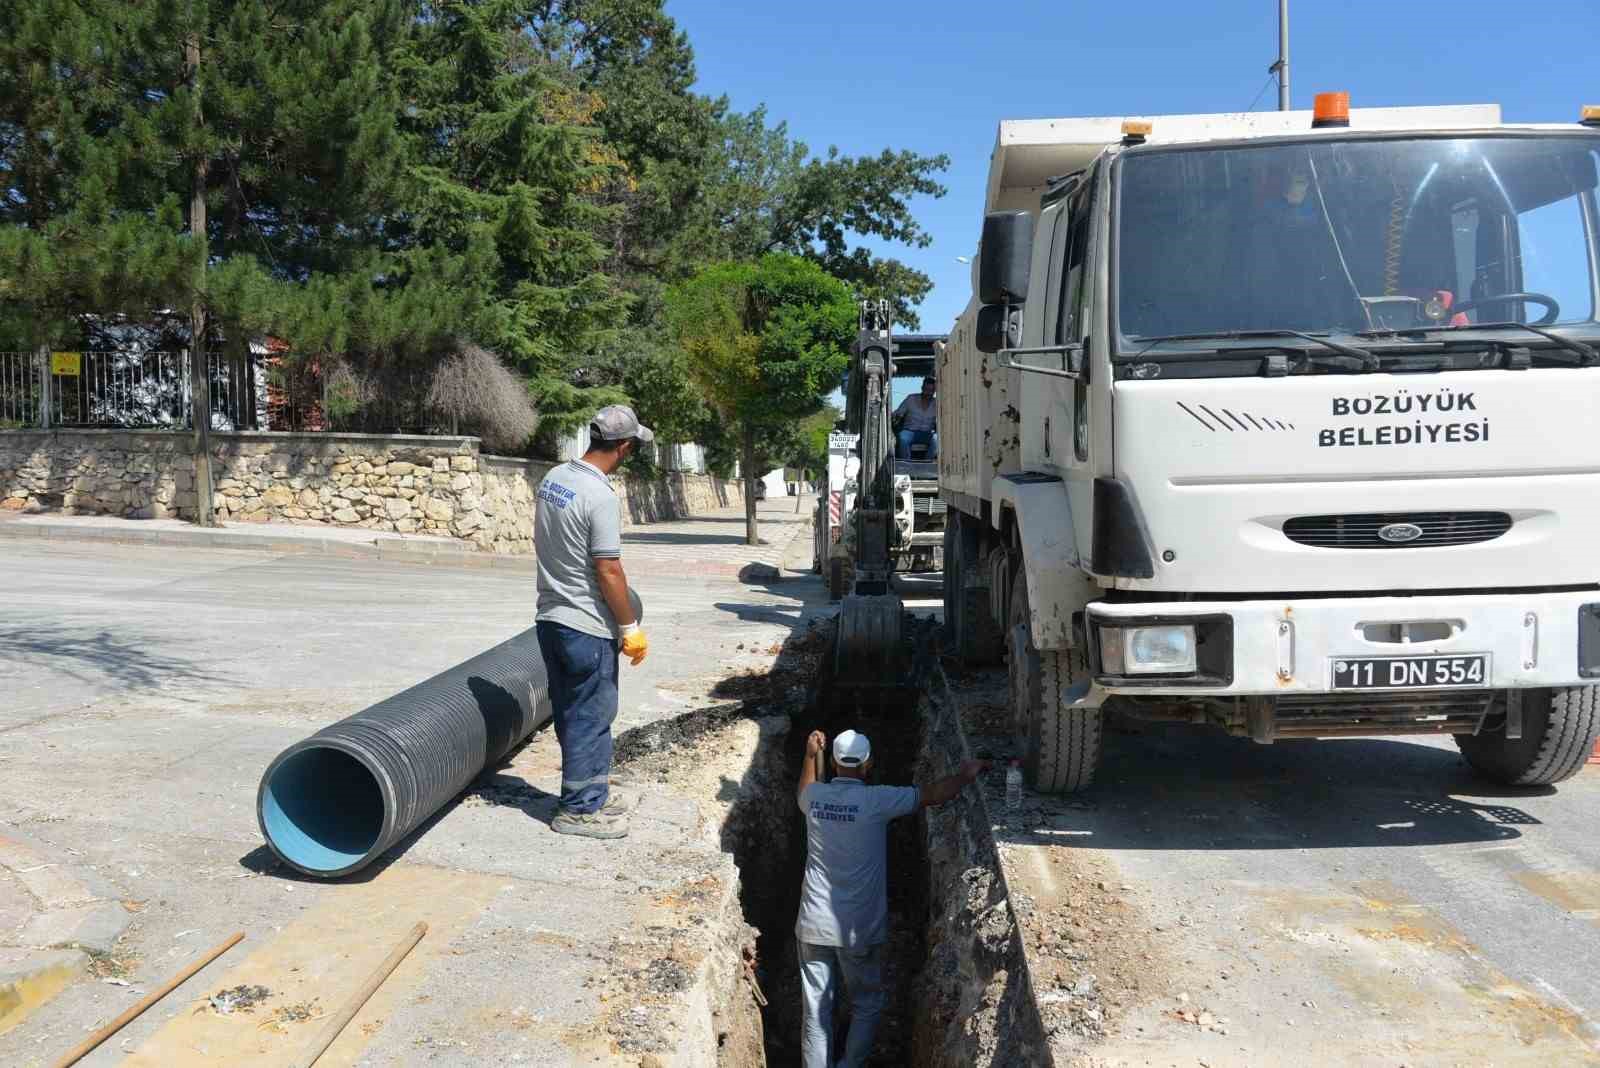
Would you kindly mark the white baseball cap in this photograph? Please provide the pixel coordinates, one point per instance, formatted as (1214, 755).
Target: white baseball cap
(851, 749)
(617, 422)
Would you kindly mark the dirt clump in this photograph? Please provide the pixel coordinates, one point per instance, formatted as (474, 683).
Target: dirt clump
(242, 998)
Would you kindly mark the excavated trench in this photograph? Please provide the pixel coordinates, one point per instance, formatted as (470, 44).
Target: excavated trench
(958, 990)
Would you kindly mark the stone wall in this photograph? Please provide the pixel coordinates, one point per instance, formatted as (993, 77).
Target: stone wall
(437, 486)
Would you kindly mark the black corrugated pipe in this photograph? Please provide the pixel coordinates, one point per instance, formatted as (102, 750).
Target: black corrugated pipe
(336, 801)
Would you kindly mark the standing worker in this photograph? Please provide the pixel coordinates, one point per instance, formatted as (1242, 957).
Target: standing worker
(844, 902)
(583, 615)
(917, 421)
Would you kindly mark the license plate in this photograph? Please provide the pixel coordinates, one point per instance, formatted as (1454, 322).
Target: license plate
(1410, 672)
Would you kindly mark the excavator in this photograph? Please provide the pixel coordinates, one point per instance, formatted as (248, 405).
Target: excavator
(872, 508)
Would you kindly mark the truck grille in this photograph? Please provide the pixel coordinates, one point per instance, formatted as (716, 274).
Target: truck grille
(1360, 531)
(1371, 712)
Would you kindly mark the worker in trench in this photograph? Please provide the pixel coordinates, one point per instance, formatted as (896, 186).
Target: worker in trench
(584, 616)
(844, 902)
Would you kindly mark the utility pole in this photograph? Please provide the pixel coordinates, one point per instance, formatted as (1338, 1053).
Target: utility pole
(1281, 68)
(199, 371)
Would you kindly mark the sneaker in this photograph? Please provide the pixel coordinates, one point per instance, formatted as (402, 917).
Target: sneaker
(606, 823)
(619, 803)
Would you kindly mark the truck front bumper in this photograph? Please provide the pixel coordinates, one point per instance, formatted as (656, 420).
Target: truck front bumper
(1292, 646)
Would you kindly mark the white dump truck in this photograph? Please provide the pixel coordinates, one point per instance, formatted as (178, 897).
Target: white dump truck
(1284, 423)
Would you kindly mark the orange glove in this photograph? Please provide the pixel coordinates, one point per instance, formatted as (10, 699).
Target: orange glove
(634, 644)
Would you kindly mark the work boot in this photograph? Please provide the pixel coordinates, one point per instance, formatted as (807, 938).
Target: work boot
(606, 822)
(619, 803)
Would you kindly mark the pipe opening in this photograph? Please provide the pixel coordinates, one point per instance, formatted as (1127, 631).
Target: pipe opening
(322, 810)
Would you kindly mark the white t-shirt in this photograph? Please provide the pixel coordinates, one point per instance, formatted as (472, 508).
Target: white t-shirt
(844, 899)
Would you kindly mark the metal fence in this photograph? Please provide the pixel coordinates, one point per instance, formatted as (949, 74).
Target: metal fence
(20, 391)
(125, 389)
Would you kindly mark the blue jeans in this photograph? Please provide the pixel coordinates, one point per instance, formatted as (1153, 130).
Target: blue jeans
(908, 438)
(821, 969)
(583, 691)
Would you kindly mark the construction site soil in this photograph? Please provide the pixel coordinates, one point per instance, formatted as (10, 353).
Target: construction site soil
(960, 992)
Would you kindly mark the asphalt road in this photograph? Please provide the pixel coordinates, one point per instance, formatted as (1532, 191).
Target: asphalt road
(147, 688)
(1346, 901)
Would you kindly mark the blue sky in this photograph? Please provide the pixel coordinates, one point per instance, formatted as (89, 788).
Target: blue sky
(937, 76)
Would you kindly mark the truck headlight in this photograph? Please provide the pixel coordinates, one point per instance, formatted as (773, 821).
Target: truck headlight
(1167, 649)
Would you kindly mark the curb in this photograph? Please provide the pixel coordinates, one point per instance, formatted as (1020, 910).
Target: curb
(381, 548)
(79, 917)
(28, 980)
(200, 538)
(388, 548)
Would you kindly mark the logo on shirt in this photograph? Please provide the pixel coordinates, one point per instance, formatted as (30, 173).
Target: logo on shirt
(836, 813)
(555, 493)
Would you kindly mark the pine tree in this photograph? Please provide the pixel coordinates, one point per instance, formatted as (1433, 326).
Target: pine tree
(504, 161)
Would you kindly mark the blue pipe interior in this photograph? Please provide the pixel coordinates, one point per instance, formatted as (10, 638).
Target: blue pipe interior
(322, 809)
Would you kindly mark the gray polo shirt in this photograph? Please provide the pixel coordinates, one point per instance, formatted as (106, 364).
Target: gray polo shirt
(577, 518)
(844, 900)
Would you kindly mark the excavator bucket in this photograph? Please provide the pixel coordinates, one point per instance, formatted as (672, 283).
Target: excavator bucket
(867, 652)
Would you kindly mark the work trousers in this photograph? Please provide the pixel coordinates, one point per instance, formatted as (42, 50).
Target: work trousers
(907, 438)
(822, 968)
(582, 670)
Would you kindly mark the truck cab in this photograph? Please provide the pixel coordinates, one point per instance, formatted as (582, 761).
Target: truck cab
(1279, 423)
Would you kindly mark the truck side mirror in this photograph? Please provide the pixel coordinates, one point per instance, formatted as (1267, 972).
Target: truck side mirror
(1004, 257)
(999, 327)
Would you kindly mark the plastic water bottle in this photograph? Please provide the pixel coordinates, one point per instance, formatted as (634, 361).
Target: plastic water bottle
(1014, 788)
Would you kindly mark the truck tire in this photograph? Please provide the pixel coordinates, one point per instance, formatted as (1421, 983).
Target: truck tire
(1559, 727)
(947, 575)
(1060, 745)
(841, 577)
(819, 537)
(977, 640)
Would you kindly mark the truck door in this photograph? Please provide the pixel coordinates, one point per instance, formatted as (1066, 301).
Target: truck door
(1056, 412)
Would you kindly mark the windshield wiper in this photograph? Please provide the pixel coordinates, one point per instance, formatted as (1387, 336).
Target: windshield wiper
(1587, 355)
(1362, 359)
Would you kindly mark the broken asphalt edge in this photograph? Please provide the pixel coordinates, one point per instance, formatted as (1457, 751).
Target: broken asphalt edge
(948, 722)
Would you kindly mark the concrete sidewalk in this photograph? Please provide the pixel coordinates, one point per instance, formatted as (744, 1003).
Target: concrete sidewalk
(711, 543)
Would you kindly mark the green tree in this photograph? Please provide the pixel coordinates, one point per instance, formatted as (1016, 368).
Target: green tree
(282, 117)
(764, 192)
(504, 157)
(765, 341)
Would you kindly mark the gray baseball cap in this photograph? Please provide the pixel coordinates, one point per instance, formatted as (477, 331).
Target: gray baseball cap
(616, 422)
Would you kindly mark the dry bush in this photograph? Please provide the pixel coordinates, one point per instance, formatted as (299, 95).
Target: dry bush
(473, 389)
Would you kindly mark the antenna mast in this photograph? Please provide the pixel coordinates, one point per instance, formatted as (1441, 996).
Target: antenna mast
(1281, 68)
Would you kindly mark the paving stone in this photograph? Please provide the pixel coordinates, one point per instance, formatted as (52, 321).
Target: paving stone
(52, 883)
(95, 928)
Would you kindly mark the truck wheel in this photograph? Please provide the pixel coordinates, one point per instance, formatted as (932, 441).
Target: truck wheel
(1060, 744)
(841, 577)
(819, 537)
(1559, 727)
(978, 641)
(950, 588)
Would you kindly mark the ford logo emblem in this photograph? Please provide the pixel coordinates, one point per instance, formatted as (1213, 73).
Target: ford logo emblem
(1399, 533)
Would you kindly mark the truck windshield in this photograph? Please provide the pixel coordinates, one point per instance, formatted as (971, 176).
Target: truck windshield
(1340, 237)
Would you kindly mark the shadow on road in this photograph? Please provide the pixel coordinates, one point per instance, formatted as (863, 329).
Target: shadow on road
(667, 537)
(1182, 788)
(91, 656)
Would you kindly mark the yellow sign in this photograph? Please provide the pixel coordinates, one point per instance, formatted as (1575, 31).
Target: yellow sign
(66, 363)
